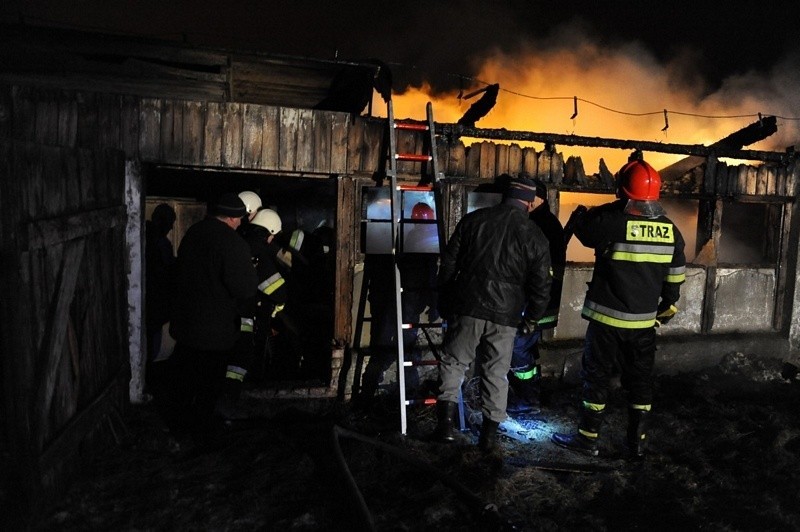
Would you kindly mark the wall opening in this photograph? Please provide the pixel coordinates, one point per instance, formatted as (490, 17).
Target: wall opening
(299, 346)
(750, 234)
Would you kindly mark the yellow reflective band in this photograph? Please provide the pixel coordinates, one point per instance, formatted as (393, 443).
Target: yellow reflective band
(646, 408)
(547, 319)
(526, 375)
(616, 318)
(246, 325)
(641, 257)
(676, 275)
(271, 284)
(617, 322)
(594, 407)
(236, 373)
(297, 239)
(642, 231)
(592, 435)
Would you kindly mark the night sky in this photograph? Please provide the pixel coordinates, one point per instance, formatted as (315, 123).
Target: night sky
(718, 58)
(718, 39)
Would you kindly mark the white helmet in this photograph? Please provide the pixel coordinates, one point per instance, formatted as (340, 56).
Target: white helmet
(251, 200)
(269, 220)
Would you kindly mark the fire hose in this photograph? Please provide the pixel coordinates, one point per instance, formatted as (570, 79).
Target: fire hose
(487, 513)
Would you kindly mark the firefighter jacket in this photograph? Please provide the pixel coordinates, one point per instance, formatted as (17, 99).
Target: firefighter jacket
(496, 265)
(215, 283)
(313, 266)
(272, 289)
(639, 266)
(554, 232)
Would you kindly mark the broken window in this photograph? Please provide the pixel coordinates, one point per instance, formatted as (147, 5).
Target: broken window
(750, 233)
(418, 228)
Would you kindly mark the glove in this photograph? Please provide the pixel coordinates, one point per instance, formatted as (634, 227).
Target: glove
(663, 316)
(527, 327)
(569, 227)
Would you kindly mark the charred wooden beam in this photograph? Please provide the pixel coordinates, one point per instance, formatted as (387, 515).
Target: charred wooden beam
(456, 130)
(751, 134)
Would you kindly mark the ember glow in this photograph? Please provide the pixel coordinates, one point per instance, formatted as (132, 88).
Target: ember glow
(622, 95)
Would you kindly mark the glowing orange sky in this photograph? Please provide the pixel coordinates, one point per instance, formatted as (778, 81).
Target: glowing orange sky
(627, 80)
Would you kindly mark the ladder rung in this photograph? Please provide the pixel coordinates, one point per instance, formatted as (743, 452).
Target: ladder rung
(415, 188)
(412, 363)
(415, 157)
(411, 126)
(426, 401)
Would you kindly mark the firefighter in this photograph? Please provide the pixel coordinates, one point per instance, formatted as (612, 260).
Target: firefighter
(639, 268)
(524, 379)
(311, 300)
(272, 293)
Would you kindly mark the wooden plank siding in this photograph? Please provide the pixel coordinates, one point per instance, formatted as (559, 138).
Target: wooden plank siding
(64, 310)
(298, 142)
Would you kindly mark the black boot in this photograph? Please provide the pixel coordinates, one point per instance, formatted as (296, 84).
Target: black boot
(487, 441)
(446, 431)
(636, 435)
(585, 440)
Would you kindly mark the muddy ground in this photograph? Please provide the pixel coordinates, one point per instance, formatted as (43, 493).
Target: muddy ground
(724, 455)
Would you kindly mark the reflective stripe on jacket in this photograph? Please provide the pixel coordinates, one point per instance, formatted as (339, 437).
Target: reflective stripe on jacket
(639, 265)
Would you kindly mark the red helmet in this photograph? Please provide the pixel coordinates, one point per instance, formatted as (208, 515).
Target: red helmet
(637, 180)
(422, 211)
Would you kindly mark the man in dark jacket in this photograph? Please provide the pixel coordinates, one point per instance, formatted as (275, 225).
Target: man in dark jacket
(638, 270)
(215, 281)
(525, 376)
(496, 266)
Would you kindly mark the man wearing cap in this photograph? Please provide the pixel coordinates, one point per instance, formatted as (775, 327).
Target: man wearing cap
(496, 268)
(216, 282)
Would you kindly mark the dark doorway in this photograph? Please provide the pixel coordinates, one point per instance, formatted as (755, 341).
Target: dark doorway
(301, 347)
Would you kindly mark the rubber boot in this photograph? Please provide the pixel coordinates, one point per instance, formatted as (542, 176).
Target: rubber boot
(636, 435)
(446, 431)
(487, 441)
(585, 440)
(525, 396)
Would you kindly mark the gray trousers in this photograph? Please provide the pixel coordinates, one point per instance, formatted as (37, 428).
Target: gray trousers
(471, 340)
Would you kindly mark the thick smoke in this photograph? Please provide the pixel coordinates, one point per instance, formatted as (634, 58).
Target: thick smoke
(622, 89)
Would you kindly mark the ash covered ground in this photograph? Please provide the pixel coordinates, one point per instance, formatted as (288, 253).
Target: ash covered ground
(724, 455)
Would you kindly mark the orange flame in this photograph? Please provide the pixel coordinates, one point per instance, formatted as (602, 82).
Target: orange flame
(622, 94)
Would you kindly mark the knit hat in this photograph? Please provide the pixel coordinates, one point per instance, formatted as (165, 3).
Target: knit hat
(229, 204)
(521, 189)
(541, 189)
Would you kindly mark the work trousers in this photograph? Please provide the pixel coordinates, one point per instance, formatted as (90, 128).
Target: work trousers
(631, 350)
(196, 379)
(486, 344)
(526, 351)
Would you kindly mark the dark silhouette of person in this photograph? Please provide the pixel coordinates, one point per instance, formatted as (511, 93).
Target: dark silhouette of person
(159, 282)
(214, 288)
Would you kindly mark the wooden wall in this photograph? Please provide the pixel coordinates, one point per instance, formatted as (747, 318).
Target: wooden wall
(63, 315)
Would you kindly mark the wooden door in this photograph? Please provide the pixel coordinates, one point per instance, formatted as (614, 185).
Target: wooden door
(63, 313)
